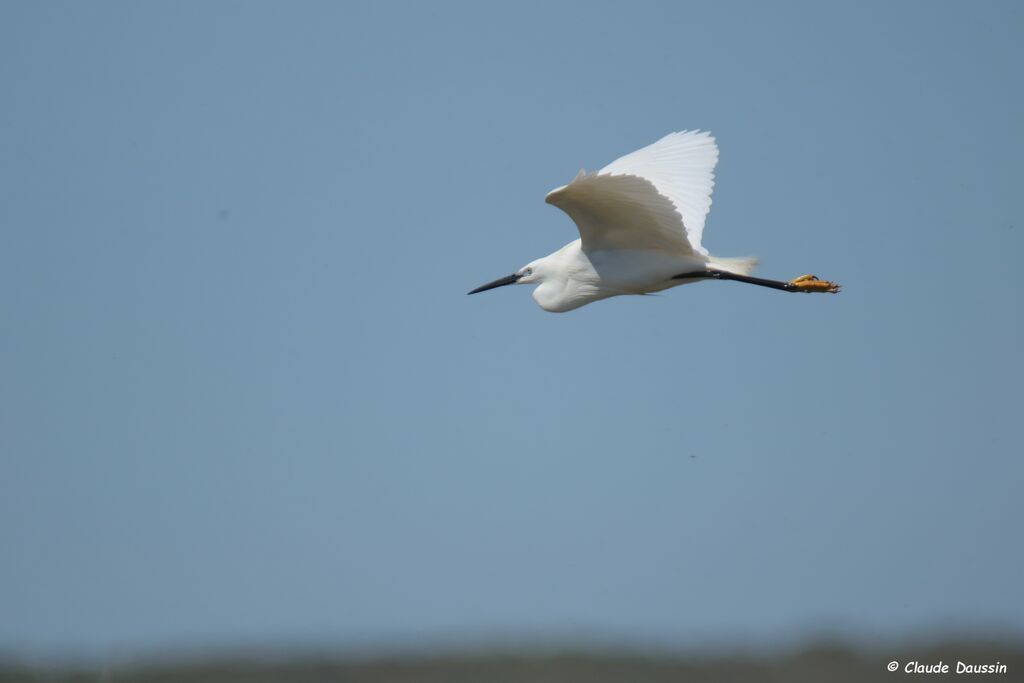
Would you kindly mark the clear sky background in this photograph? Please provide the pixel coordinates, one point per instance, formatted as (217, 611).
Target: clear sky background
(245, 400)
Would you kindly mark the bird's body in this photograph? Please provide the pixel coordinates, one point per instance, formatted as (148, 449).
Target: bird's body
(577, 276)
(640, 220)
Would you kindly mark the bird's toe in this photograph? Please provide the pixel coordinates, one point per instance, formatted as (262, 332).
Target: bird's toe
(811, 283)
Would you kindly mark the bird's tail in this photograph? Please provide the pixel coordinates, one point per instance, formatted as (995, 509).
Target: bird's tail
(743, 265)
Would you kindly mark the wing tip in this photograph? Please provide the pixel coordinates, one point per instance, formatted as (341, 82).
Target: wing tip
(704, 136)
(694, 132)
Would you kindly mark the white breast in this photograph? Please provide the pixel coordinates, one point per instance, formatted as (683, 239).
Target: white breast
(580, 277)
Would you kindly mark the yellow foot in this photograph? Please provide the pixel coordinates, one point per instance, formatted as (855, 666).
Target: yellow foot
(810, 283)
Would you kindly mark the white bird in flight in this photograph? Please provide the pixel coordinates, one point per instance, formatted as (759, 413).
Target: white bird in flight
(640, 220)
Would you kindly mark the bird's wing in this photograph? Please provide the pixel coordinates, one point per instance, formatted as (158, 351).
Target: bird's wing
(654, 198)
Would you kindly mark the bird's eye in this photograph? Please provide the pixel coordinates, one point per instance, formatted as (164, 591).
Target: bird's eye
(527, 271)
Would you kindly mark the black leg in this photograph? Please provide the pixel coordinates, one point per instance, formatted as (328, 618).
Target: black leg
(711, 274)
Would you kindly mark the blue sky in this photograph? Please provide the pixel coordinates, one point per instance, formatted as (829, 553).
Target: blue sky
(245, 400)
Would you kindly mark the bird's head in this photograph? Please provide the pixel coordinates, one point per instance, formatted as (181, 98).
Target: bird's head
(531, 272)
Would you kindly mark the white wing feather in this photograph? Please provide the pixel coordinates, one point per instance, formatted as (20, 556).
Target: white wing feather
(654, 198)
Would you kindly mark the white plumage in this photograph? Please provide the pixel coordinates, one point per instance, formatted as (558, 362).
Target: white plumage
(657, 196)
(640, 219)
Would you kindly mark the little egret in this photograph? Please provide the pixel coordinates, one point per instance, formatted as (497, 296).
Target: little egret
(640, 220)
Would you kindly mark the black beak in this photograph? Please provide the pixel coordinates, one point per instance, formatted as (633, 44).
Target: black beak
(500, 282)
